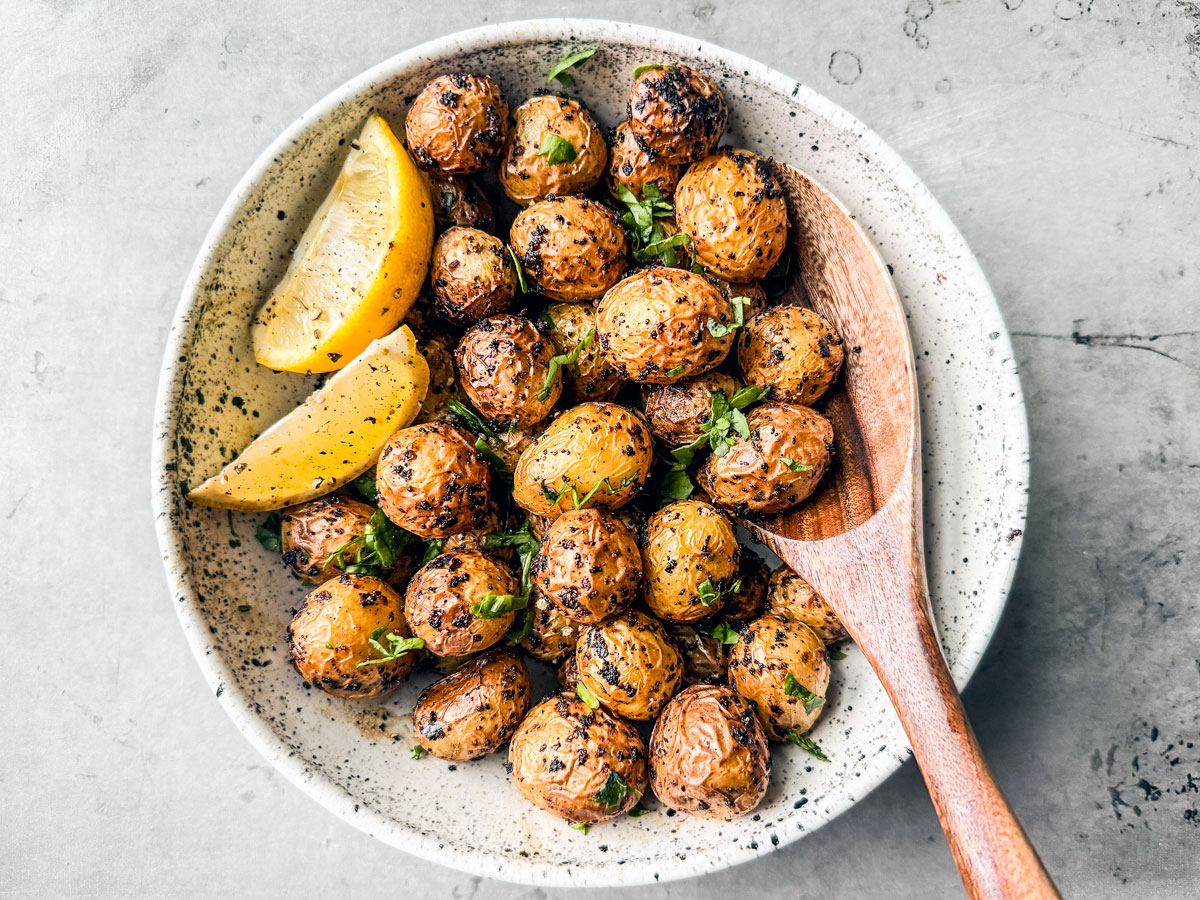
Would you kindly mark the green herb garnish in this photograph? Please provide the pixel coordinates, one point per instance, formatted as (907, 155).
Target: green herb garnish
(588, 698)
(557, 150)
(795, 466)
(614, 791)
(677, 370)
(650, 238)
(493, 606)
(559, 69)
(719, 329)
(418, 751)
(646, 67)
(835, 653)
(366, 487)
(520, 270)
(522, 539)
(659, 244)
(474, 421)
(804, 742)
(794, 688)
(564, 359)
(719, 631)
(581, 827)
(245, 607)
(433, 549)
(710, 593)
(396, 647)
(270, 533)
(638, 811)
(374, 551)
(573, 489)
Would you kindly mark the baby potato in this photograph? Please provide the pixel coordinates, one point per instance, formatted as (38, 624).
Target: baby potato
(676, 411)
(433, 482)
(537, 163)
(634, 164)
(313, 532)
(552, 635)
(750, 598)
(594, 454)
(583, 765)
(592, 377)
(690, 558)
(769, 651)
(572, 248)
(503, 365)
(438, 602)
(472, 275)
(329, 638)
(474, 711)
(793, 349)
(443, 378)
(705, 658)
(787, 453)
(455, 126)
(630, 664)
(459, 201)
(589, 565)
(792, 597)
(732, 206)
(655, 325)
(708, 755)
(679, 113)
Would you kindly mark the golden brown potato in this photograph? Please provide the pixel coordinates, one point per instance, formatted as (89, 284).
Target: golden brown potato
(439, 599)
(788, 451)
(313, 532)
(572, 248)
(580, 764)
(732, 206)
(770, 649)
(568, 673)
(443, 378)
(592, 377)
(589, 565)
(634, 164)
(705, 658)
(474, 711)
(630, 664)
(472, 275)
(793, 349)
(528, 174)
(597, 449)
(708, 755)
(459, 201)
(750, 599)
(654, 325)
(503, 365)
(552, 635)
(754, 297)
(690, 558)
(433, 482)
(329, 637)
(676, 411)
(456, 124)
(679, 112)
(792, 597)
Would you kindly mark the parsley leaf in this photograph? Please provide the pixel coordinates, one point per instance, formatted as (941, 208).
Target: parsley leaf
(557, 150)
(724, 416)
(521, 538)
(581, 827)
(493, 606)
(650, 238)
(270, 533)
(559, 69)
(374, 551)
(473, 420)
(573, 490)
(433, 549)
(671, 373)
(806, 743)
(719, 631)
(614, 791)
(658, 243)
(638, 811)
(675, 484)
(397, 646)
(520, 269)
(564, 359)
(795, 466)
(418, 751)
(366, 487)
(448, 203)
(835, 653)
(588, 698)
(794, 688)
(710, 593)
(720, 329)
(646, 67)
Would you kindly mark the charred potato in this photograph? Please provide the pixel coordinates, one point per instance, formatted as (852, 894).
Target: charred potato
(787, 453)
(568, 673)
(315, 531)
(472, 275)
(770, 650)
(630, 664)
(679, 113)
(592, 377)
(503, 366)
(473, 712)
(329, 638)
(552, 635)
(690, 558)
(708, 754)
(633, 163)
(443, 378)
(705, 658)
(455, 126)
(532, 167)
(792, 597)
(433, 482)
(589, 565)
(750, 599)
(438, 602)
(580, 764)
(793, 349)
(676, 411)
(732, 206)
(654, 326)
(573, 248)
(459, 201)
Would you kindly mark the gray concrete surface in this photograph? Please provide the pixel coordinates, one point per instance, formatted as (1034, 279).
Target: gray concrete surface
(1063, 136)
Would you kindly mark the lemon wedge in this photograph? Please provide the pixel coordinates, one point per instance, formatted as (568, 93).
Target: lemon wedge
(331, 438)
(359, 265)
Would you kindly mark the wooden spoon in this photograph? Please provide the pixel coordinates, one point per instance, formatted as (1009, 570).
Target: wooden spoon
(858, 540)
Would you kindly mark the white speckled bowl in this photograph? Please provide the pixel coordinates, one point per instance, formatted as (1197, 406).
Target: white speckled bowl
(353, 757)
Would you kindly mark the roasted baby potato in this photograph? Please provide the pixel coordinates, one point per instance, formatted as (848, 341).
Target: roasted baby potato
(580, 764)
(314, 532)
(589, 565)
(473, 712)
(788, 451)
(504, 366)
(690, 558)
(750, 599)
(438, 602)
(676, 411)
(705, 658)
(792, 597)
(794, 350)
(679, 113)
(552, 635)
(459, 201)
(656, 325)
(630, 664)
(455, 126)
(592, 377)
(572, 248)
(594, 454)
(634, 164)
(438, 351)
(732, 206)
(553, 147)
(708, 754)
(472, 275)
(433, 482)
(782, 667)
(329, 638)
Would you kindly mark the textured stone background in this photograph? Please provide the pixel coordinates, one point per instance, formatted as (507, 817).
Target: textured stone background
(1063, 136)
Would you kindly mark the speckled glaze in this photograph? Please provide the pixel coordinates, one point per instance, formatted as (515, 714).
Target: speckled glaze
(354, 758)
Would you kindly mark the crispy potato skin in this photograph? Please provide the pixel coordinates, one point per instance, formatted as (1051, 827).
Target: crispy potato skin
(753, 477)
(633, 163)
(574, 249)
(653, 325)
(732, 206)
(792, 597)
(313, 532)
(589, 565)
(432, 481)
(553, 635)
(562, 755)
(630, 663)
(474, 711)
(329, 636)
(679, 112)
(705, 659)
(438, 351)
(708, 754)
(525, 175)
(750, 601)
(582, 447)
(455, 126)
(759, 662)
(595, 379)
(676, 411)
(793, 349)
(503, 362)
(687, 543)
(438, 602)
(472, 275)
(460, 201)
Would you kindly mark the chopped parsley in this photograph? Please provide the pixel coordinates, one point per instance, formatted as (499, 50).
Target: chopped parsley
(433, 549)
(646, 67)
(804, 742)
(374, 551)
(418, 751)
(677, 370)
(493, 606)
(396, 647)
(484, 434)
(650, 238)
(520, 270)
(557, 150)
(793, 688)
(245, 607)
(559, 70)
(564, 359)
(719, 631)
(270, 533)
(366, 487)
(581, 827)
(835, 653)
(522, 539)
(614, 791)
(795, 466)
(638, 811)
(775, 282)
(588, 698)
(710, 593)
(573, 489)
(720, 329)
